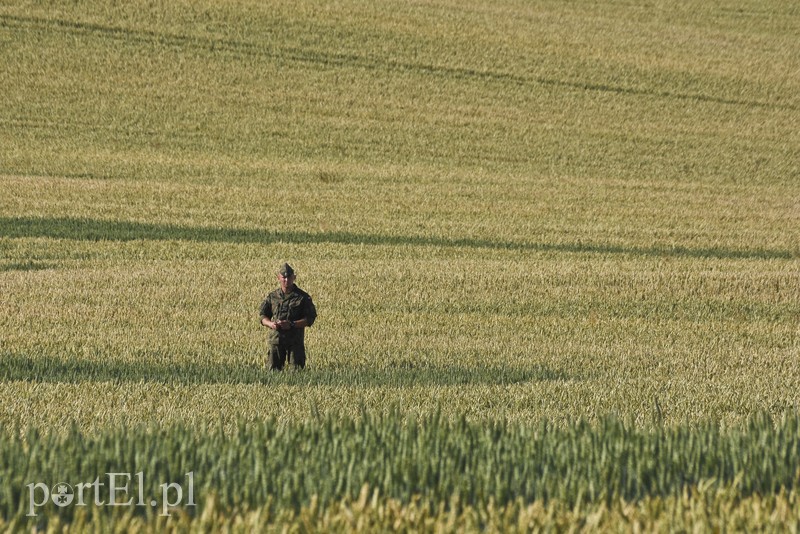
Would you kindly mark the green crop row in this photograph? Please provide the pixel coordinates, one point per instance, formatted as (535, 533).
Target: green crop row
(429, 459)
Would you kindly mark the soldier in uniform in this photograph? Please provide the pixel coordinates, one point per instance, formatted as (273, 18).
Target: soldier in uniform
(287, 312)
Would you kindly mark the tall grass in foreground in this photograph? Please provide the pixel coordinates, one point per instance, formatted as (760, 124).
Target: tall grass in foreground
(314, 465)
(698, 509)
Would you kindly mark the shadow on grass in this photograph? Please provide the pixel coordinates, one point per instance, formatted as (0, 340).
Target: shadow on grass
(97, 230)
(47, 369)
(26, 266)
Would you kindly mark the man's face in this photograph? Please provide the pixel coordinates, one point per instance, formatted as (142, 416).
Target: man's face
(287, 282)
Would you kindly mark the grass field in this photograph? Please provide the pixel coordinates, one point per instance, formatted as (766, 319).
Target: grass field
(509, 214)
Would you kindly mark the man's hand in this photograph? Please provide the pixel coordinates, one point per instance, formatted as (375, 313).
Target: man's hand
(282, 325)
(272, 325)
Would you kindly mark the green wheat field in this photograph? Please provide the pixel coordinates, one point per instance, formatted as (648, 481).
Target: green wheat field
(554, 247)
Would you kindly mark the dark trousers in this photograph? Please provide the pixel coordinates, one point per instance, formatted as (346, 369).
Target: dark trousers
(282, 353)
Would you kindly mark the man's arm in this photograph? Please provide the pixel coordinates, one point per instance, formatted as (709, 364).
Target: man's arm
(266, 314)
(287, 325)
(311, 312)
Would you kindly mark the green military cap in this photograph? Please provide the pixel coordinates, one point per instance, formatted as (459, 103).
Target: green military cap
(286, 270)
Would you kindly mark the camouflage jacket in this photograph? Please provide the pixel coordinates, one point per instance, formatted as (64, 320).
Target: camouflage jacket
(293, 306)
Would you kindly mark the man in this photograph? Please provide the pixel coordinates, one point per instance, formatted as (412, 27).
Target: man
(287, 312)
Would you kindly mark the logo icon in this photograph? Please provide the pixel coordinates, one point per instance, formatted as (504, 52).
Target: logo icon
(62, 494)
